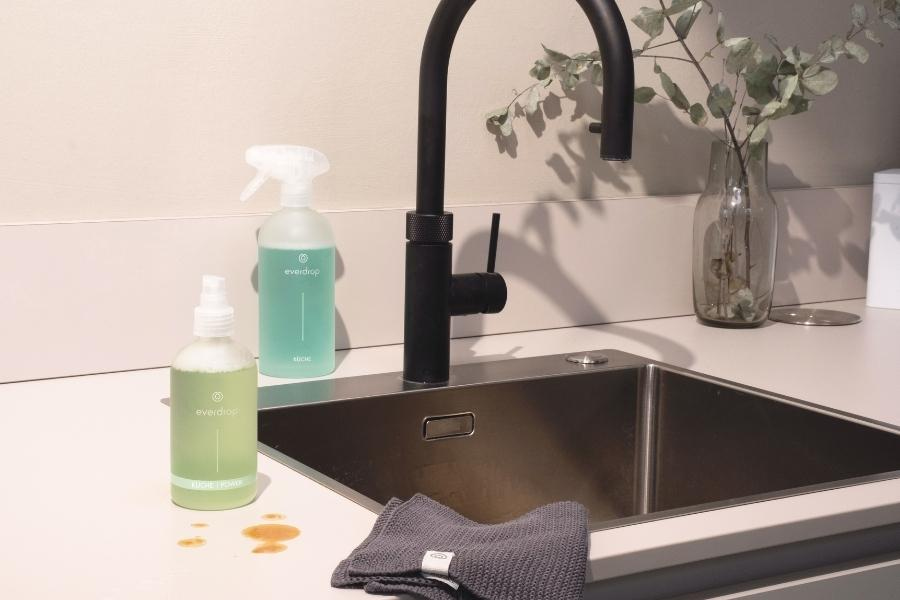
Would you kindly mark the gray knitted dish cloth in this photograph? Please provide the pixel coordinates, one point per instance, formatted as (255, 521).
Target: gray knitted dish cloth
(539, 556)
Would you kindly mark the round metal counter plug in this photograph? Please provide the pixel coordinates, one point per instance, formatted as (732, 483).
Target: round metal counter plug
(587, 359)
(795, 315)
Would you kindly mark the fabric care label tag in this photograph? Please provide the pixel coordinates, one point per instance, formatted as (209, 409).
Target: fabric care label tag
(436, 566)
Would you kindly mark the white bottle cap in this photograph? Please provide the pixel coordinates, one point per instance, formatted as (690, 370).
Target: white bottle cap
(214, 317)
(294, 166)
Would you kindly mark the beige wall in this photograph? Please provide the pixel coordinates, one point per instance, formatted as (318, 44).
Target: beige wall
(127, 109)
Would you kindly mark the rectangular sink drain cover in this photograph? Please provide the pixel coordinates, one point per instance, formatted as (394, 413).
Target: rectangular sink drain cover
(447, 426)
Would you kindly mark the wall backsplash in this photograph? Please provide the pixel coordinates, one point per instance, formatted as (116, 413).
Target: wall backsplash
(132, 109)
(117, 295)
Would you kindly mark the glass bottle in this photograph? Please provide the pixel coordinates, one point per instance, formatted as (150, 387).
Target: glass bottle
(735, 240)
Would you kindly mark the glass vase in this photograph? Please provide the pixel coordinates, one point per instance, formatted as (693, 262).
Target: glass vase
(735, 240)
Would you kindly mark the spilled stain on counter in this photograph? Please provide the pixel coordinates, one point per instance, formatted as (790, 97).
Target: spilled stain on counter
(199, 525)
(274, 517)
(194, 542)
(271, 536)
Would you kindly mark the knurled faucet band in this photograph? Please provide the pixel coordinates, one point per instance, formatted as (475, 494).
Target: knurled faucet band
(429, 229)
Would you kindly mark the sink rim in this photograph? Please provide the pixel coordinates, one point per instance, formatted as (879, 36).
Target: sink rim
(523, 369)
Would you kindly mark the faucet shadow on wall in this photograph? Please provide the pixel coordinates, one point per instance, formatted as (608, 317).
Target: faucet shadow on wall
(659, 134)
(542, 268)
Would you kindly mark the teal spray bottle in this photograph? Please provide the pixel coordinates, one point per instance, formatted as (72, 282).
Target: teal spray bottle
(296, 267)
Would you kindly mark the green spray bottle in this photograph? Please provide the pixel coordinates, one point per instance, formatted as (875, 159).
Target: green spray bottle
(296, 267)
(213, 411)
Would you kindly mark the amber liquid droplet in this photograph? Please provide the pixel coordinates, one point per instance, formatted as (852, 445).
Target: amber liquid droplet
(271, 532)
(199, 525)
(194, 542)
(271, 535)
(274, 517)
(270, 548)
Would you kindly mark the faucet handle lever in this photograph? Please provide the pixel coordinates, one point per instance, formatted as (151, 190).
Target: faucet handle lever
(492, 247)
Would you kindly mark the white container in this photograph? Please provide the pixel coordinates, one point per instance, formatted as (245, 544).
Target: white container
(884, 247)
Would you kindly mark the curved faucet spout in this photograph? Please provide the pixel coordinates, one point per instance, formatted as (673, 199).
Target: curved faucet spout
(617, 111)
(433, 293)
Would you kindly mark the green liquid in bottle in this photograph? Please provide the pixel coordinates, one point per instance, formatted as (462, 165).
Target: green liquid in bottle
(213, 429)
(296, 312)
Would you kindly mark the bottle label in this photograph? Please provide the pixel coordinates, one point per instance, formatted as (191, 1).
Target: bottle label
(296, 311)
(213, 486)
(213, 429)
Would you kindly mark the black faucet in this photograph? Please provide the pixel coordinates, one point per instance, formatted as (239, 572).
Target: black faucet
(433, 293)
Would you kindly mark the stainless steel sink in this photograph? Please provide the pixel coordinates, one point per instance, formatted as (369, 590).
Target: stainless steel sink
(631, 439)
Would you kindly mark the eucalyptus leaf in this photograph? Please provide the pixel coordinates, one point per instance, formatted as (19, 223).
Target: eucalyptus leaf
(759, 133)
(650, 21)
(735, 41)
(799, 105)
(569, 80)
(756, 151)
(787, 87)
(740, 54)
(892, 20)
(556, 56)
(859, 15)
(720, 101)
(750, 111)
(720, 29)
(673, 91)
(582, 62)
(821, 83)
(812, 70)
(781, 106)
(698, 114)
(686, 20)
(831, 50)
(873, 37)
(786, 69)
(540, 70)
(679, 6)
(760, 80)
(644, 95)
(597, 74)
(802, 59)
(857, 51)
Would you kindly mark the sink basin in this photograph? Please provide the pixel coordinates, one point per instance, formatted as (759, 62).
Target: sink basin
(631, 439)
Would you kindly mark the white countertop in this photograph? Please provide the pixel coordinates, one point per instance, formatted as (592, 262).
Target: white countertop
(86, 463)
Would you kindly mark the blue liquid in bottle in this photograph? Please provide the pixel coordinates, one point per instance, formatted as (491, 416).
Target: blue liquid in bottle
(296, 312)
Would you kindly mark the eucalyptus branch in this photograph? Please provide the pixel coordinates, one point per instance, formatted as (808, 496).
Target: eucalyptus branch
(709, 53)
(728, 125)
(781, 84)
(664, 44)
(769, 84)
(660, 57)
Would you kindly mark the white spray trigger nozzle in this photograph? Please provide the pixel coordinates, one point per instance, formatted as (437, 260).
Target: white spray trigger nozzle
(294, 166)
(254, 185)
